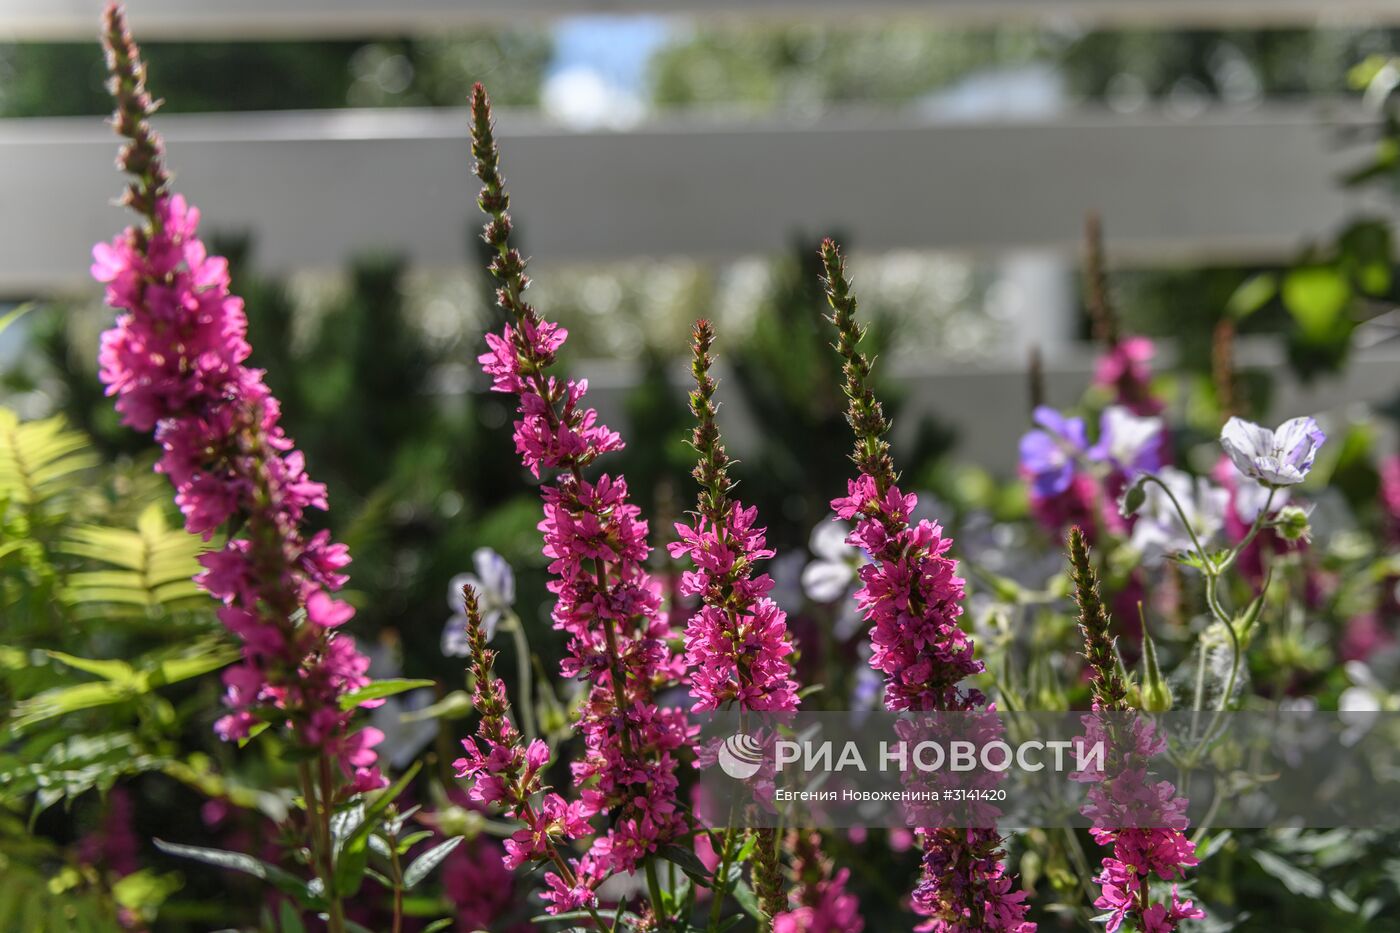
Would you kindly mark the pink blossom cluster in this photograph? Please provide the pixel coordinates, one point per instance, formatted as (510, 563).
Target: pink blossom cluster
(176, 363)
(819, 901)
(737, 644)
(828, 908)
(912, 597)
(506, 773)
(607, 603)
(1125, 369)
(1150, 819)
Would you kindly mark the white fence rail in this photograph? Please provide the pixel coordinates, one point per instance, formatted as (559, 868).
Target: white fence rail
(220, 19)
(316, 188)
(987, 431)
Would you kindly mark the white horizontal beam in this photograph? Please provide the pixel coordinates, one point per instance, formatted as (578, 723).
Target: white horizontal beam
(317, 188)
(987, 404)
(221, 19)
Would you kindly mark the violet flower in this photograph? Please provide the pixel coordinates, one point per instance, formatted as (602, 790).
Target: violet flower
(176, 363)
(1281, 457)
(1049, 454)
(1128, 443)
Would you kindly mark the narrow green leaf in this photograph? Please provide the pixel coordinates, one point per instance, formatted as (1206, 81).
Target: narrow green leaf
(381, 689)
(353, 858)
(282, 880)
(116, 671)
(425, 863)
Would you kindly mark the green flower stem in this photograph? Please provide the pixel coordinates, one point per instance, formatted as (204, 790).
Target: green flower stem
(663, 920)
(524, 675)
(721, 885)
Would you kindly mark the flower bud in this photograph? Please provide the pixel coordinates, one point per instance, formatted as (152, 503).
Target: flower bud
(1292, 524)
(1156, 694)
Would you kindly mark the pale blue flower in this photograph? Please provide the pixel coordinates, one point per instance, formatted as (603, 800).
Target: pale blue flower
(826, 579)
(1159, 531)
(494, 583)
(1281, 457)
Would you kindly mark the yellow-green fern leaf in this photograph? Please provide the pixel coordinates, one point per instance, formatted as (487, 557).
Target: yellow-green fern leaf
(148, 569)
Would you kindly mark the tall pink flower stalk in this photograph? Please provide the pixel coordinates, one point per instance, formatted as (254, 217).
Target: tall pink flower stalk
(1124, 369)
(912, 596)
(1144, 821)
(506, 772)
(176, 363)
(607, 603)
(737, 643)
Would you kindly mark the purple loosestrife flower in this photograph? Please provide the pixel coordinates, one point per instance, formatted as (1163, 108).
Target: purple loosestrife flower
(175, 361)
(912, 596)
(1144, 821)
(1125, 369)
(820, 901)
(1281, 457)
(606, 602)
(737, 644)
(508, 773)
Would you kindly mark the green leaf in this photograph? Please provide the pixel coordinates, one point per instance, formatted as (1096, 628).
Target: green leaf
(456, 705)
(687, 861)
(747, 899)
(436, 925)
(64, 700)
(288, 920)
(144, 889)
(14, 315)
(380, 689)
(1290, 876)
(353, 857)
(174, 670)
(40, 459)
(1253, 294)
(118, 672)
(282, 880)
(1366, 250)
(1317, 296)
(429, 860)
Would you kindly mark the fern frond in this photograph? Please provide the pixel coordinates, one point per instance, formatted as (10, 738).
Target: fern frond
(40, 459)
(153, 565)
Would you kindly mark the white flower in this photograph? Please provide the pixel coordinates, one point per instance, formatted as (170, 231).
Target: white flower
(1131, 443)
(494, 583)
(826, 579)
(1159, 531)
(1281, 457)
